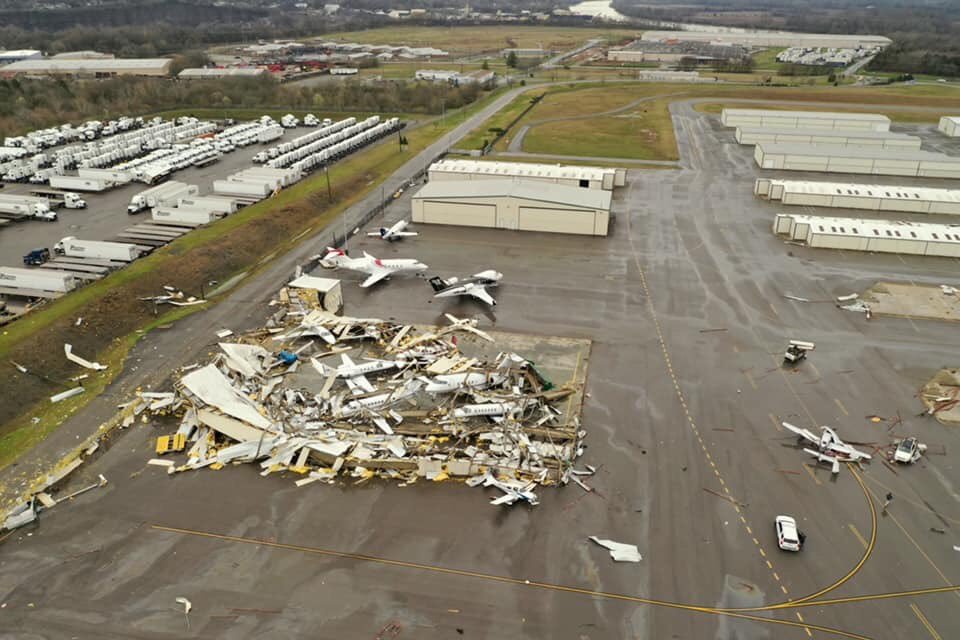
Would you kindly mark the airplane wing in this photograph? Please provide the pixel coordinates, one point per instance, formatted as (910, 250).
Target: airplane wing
(378, 274)
(373, 234)
(803, 433)
(480, 293)
(347, 362)
(848, 451)
(405, 234)
(362, 382)
(381, 422)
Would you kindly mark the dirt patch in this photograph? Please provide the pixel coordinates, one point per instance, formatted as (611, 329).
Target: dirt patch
(941, 396)
(912, 301)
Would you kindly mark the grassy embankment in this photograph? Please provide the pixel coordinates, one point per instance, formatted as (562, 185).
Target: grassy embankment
(114, 316)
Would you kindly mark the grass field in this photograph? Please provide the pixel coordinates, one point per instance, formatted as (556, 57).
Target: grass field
(467, 40)
(645, 132)
(767, 58)
(115, 318)
(475, 139)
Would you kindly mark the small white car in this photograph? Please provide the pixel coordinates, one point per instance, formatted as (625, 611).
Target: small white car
(788, 537)
(908, 451)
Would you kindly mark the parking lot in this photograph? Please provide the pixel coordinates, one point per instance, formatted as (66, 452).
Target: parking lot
(684, 306)
(106, 212)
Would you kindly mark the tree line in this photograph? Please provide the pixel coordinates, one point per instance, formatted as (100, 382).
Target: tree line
(27, 104)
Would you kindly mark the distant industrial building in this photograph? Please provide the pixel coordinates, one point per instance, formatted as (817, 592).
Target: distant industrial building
(852, 234)
(211, 73)
(770, 39)
(831, 158)
(515, 205)
(344, 71)
(82, 55)
(98, 68)
(16, 55)
(819, 56)
(949, 125)
(526, 53)
(872, 197)
(820, 120)
(664, 75)
(670, 52)
(569, 175)
(883, 139)
(482, 78)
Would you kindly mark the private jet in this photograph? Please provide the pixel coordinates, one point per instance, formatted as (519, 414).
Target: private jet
(475, 286)
(394, 232)
(375, 268)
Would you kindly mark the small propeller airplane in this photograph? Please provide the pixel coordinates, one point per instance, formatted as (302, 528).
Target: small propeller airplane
(375, 268)
(475, 286)
(830, 448)
(394, 232)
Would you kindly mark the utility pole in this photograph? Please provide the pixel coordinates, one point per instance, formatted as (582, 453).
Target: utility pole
(383, 201)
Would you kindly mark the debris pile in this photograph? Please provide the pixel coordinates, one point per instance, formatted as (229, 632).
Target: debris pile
(329, 396)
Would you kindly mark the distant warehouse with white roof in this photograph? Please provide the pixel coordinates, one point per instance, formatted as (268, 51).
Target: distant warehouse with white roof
(514, 204)
(832, 158)
(873, 197)
(772, 119)
(213, 73)
(97, 68)
(570, 175)
(950, 125)
(771, 39)
(923, 239)
(883, 139)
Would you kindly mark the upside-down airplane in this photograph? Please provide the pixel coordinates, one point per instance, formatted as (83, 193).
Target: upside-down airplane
(830, 448)
(475, 286)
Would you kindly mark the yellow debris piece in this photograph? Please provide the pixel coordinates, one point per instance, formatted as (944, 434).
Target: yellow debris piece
(440, 477)
(166, 444)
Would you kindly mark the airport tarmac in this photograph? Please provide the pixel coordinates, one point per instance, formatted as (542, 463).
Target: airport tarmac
(684, 304)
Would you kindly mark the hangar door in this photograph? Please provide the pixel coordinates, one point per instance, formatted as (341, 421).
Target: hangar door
(556, 220)
(459, 213)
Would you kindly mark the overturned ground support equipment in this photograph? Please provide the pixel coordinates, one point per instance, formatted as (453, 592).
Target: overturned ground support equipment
(333, 397)
(797, 351)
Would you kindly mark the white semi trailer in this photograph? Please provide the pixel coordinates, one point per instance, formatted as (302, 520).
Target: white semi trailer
(245, 190)
(96, 249)
(29, 206)
(188, 215)
(224, 206)
(168, 193)
(76, 183)
(37, 280)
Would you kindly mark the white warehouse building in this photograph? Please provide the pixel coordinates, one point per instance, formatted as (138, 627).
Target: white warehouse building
(872, 197)
(922, 239)
(574, 176)
(950, 125)
(882, 139)
(770, 38)
(830, 158)
(820, 120)
(513, 204)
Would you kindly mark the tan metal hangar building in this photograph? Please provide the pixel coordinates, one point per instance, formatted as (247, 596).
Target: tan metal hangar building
(883, 139)
(571, 175)
(773, 119)
(97, 67)
(515, 205)
(831, 158)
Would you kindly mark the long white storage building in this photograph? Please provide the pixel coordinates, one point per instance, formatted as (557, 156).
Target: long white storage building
(882, 139)
(820, 120)
(831, 158)
(514, 204)
(574, 176)
(873, 197)
(921, 239)
(949, 125)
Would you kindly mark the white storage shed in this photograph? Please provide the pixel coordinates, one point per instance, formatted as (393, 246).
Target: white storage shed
(328, 291)
(949, 125)
(832, 158)
(921, 239)
(773, 119)
(514, 204)
(574, 176)
(874, 197)
(882, 139)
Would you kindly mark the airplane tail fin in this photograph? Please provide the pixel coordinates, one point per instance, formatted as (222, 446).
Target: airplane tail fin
(438, 283)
